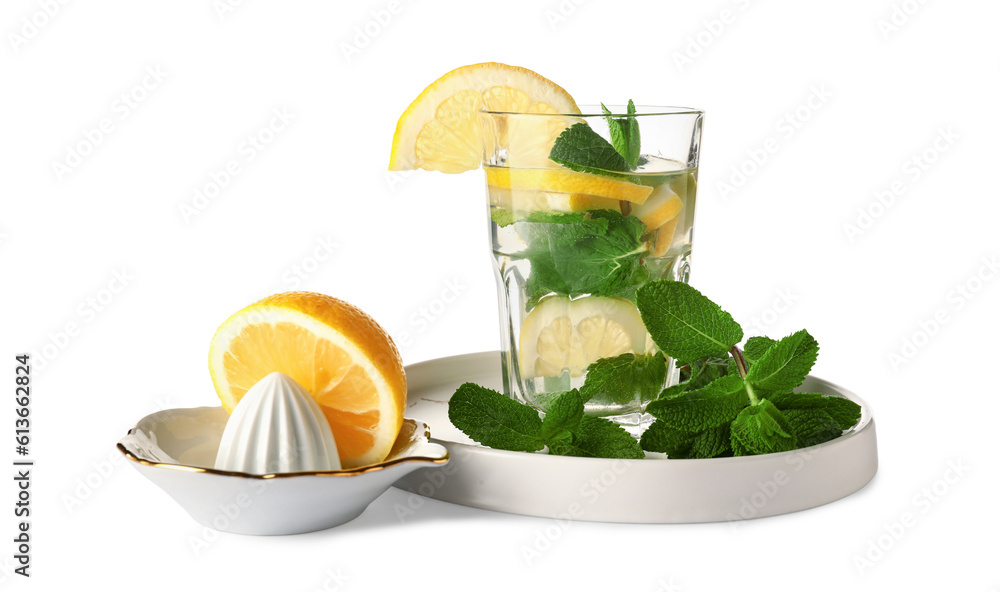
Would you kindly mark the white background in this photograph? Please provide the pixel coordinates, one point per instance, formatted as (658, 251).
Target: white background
(890, 92)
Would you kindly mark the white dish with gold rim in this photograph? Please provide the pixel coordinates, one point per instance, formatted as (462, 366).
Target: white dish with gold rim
(176, 450)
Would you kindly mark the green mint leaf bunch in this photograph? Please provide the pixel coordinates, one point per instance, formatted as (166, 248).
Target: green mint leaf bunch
(750, 398)
(494, 420)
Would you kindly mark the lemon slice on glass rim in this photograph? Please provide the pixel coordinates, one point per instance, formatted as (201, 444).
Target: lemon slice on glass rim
(439, 131)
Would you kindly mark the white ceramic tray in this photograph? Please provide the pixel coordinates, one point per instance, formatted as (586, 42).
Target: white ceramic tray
(652, 490)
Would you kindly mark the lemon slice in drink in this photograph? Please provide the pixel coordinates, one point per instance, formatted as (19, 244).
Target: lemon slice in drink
(562, 335)
(439, 131)
(684, 187)
(566, 181)
(529, 200)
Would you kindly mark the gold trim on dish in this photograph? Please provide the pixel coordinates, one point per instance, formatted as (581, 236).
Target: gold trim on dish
(341, 473)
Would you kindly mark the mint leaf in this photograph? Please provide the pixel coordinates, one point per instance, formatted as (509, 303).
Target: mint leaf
(502, 217)
(709, 443)
(842, 410)
(625, 378)
(600, 438)
(634, 140)
(580, 221)
(705, 371)
(752, 351)
(697, 410)
(624, 133)
(755, 348)
(685, 324)
(581, 149)
(699, 374)
(811, 426)
(563, 417)
(761, 429)
(494, 420)
(738, 448)
(597, 252)
(673, 391)
(786, 363)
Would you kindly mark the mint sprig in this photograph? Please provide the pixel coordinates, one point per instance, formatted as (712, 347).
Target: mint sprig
(753, 397)
(582, 149)
(624, 133)
(497, 421)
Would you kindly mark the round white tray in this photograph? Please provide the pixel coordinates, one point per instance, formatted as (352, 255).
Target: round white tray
(653, 490)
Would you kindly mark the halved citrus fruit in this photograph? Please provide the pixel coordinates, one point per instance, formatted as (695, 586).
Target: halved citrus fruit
(439, 131)
(339, 354)
(561, 334)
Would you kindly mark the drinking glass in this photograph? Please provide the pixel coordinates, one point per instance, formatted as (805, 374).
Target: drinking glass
(571, 247)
